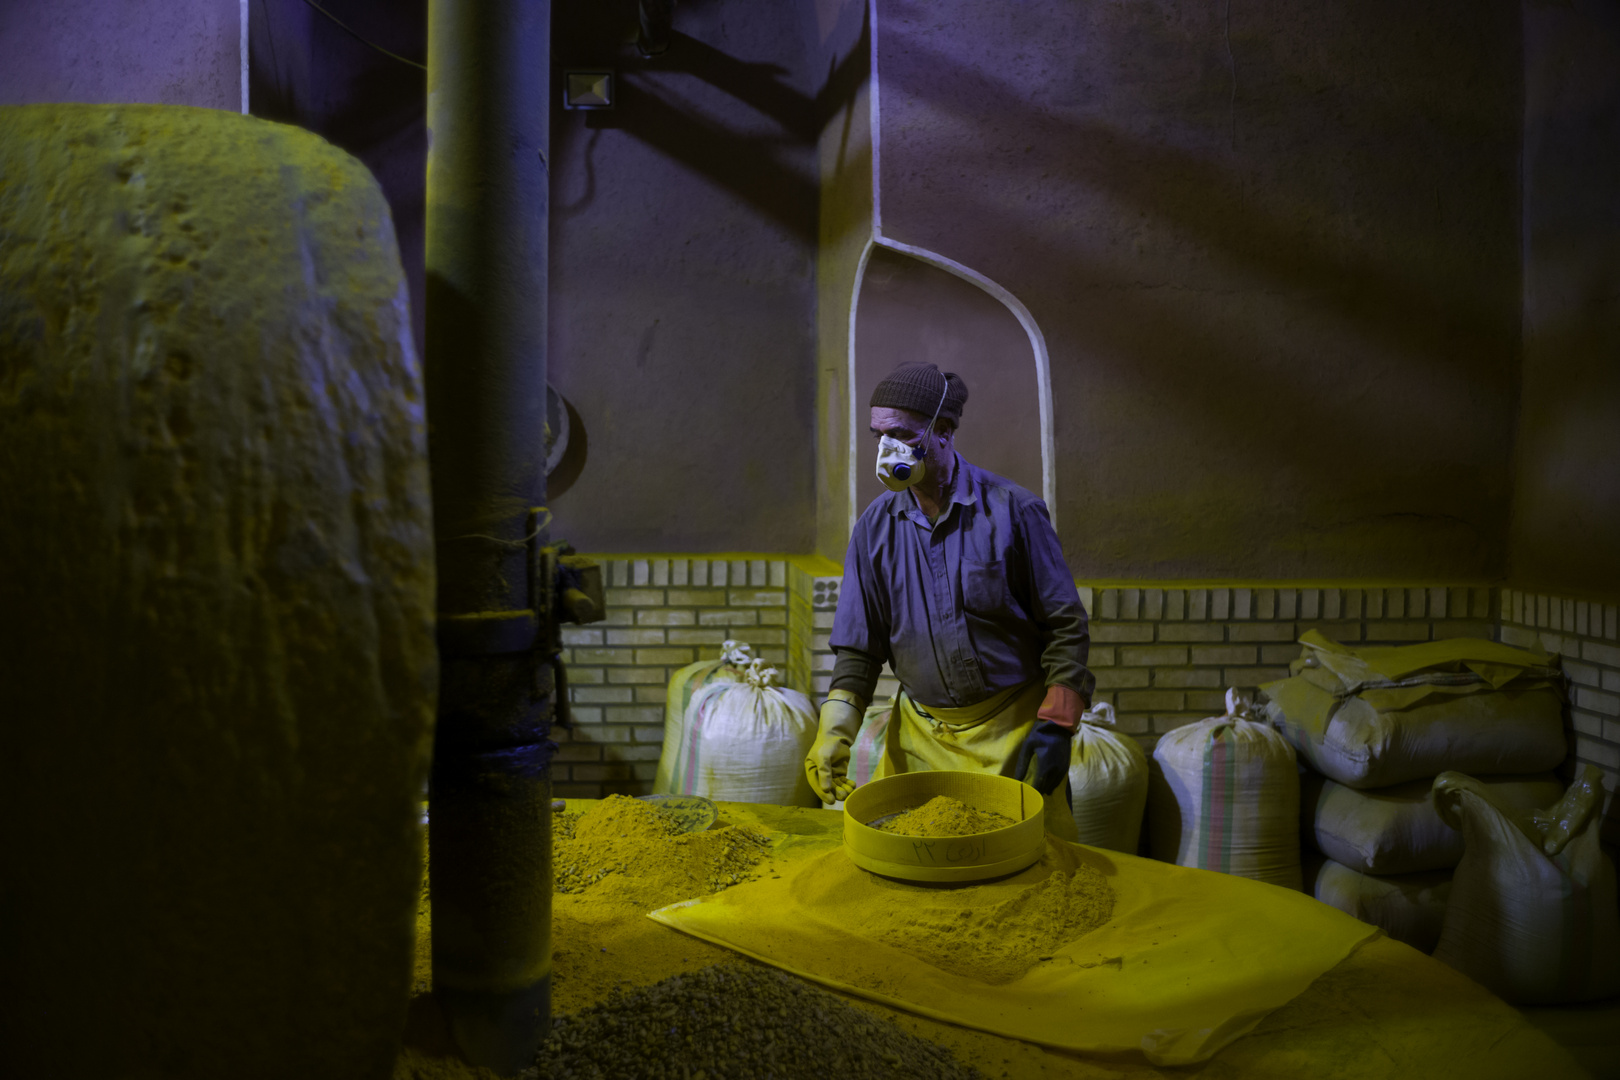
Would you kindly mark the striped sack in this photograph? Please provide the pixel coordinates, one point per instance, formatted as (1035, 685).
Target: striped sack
(1224, 795)
(866, 753)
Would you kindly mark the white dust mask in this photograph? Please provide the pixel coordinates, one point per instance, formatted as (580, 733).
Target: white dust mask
(898, 465)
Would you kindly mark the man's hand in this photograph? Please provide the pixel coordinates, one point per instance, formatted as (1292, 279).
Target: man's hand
(1047, 747)
(827, 764)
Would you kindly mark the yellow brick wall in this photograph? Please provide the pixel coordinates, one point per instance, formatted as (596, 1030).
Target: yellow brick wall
(1163, 654)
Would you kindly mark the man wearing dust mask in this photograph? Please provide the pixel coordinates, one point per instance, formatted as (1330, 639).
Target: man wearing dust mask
(956, 578)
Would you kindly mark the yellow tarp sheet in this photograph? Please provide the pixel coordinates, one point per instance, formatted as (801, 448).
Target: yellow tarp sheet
(1189, 961)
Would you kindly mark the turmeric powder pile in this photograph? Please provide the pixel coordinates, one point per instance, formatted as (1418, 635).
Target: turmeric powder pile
(628, 850)
(945, 816)
(994, 932)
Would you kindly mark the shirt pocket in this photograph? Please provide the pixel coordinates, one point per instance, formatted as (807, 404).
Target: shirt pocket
(984, 587)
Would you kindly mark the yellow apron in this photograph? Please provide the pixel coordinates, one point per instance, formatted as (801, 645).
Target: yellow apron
(982, 738)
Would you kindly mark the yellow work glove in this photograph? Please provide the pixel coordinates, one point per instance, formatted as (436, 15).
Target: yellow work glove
(827, 764)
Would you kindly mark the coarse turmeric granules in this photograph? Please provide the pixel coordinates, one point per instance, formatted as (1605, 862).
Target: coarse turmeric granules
(945, 816)
(736, 1022)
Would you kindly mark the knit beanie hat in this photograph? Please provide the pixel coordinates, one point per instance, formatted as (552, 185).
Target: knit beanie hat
(917, 385)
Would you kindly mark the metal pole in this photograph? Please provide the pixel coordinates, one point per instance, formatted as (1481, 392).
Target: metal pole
(489, 831)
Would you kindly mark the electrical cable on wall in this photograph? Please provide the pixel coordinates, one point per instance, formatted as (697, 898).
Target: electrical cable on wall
(341, 25)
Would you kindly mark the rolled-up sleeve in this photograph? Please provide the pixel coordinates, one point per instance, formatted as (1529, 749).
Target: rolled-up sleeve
(860, 634)
(1055, 605)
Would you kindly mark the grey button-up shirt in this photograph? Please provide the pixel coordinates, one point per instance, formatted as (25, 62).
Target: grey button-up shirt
(977, 602)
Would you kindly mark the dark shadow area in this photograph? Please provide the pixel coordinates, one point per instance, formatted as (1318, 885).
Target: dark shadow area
(760, 170)
(1566, 510)
(683, 269)
(1212, 202)
(304, 70)
(560, 479)
(661, 103)
(683, 235)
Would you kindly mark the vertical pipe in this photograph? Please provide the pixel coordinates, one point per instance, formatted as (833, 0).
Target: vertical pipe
(489, 831)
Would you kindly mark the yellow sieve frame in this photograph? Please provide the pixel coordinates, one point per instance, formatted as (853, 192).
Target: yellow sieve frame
(945, 859)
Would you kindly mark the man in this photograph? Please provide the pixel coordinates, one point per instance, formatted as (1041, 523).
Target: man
(956, 578)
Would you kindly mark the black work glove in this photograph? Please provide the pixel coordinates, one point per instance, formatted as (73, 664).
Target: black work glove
(1048, 745)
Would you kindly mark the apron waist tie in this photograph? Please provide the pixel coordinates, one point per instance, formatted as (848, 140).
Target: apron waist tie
(967, 716)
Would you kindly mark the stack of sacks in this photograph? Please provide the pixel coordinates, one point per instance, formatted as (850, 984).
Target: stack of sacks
(1388, 855)
(1374, 726)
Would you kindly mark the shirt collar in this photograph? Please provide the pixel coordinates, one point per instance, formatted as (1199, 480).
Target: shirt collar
(964, 490)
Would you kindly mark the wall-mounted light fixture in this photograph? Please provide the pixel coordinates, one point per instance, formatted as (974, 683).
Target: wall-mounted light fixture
(588, 88)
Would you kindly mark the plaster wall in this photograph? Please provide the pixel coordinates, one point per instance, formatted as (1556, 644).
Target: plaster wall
(1273, 250)
(683, 306)
(131, 52)
(683, 248)
(1566, 520)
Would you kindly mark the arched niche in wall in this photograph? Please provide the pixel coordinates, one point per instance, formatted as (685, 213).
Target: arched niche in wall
(914, 305)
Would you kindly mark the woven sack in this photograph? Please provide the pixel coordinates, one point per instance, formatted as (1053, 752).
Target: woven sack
(1108, 783)
(866, 753)
(1408, 907)
(746, 741)
(1225, 796)
(1396, 830)
(1385, 715)
(734, 658)
(1532, 915)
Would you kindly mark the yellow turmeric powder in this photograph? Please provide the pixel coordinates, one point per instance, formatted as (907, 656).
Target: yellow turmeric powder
(945, 816)
(992, 932)
(620, 816)
(631, 851)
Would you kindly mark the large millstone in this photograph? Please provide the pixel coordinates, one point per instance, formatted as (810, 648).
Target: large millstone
(217, 669)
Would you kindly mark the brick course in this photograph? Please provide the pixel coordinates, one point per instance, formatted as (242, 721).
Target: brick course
(1162, 656)
(1584, 635)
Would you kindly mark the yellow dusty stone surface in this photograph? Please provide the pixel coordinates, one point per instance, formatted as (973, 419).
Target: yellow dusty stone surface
(218, 666)
(1386, 1011)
